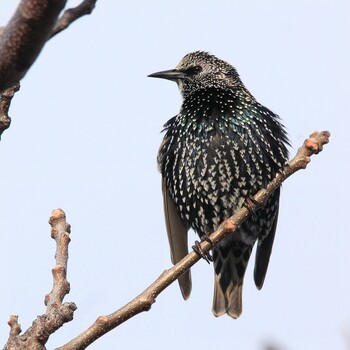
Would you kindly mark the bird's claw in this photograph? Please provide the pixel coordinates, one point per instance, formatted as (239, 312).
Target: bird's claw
(198, 249)
(250, 203)
(207, 239)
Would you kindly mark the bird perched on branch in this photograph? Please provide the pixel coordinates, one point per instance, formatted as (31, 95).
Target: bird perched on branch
(220, 149)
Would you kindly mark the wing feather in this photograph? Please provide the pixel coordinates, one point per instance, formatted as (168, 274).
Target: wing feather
(177, 236)
(264, 247)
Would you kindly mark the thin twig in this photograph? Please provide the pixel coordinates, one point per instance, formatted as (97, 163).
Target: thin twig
(313, 145)
(36, 336)
(60, 233)
(71, 15)
(15, 327)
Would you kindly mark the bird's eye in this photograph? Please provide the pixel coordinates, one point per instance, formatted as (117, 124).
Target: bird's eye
(194, 70)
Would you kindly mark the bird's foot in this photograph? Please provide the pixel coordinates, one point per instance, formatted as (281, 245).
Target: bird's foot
(250, 203)
(197, 248)
(206, 238)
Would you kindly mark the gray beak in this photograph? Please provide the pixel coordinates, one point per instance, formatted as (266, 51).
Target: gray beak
(172, 74)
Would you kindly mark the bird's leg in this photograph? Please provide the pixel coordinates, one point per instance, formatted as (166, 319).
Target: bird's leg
(249, 203)
(197, 248)
(206, 256)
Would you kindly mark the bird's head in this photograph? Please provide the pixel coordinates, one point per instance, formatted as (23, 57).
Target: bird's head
(200, 70)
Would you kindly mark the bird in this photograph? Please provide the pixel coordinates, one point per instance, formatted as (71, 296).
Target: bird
(220, 149)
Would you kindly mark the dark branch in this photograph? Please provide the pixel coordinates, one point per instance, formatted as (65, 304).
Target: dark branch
(21, 41)
(24, 37)
(5, 102)
(71, 15)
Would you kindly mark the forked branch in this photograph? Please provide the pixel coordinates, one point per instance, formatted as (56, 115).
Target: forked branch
(23, 38)
(71, 15)
(36, 336)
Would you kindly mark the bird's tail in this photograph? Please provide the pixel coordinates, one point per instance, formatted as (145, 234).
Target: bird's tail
(228, 301)
(230, 262)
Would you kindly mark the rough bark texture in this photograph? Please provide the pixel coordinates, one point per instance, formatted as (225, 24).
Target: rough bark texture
(24, 37)
(5, 102)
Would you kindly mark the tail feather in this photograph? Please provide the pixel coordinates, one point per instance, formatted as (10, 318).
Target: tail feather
(230, 263)
(228, 301)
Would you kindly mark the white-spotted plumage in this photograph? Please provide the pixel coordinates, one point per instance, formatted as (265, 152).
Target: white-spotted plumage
(222, 147)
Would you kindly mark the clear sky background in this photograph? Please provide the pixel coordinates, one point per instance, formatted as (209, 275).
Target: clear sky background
(84, 137)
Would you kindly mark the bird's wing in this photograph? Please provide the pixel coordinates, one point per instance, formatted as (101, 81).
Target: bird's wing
(265, 244)
(177, 236)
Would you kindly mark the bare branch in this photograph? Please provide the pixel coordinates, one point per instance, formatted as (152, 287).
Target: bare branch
(60, 233)
(5, 102)
(313, 145)
(34, 22)
(36, 336)
(71, 15)
(24, 37)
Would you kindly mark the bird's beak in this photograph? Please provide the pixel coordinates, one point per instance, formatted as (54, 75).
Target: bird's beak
(172, 74)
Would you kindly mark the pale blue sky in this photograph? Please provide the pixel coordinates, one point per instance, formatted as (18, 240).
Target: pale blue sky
(84, 137)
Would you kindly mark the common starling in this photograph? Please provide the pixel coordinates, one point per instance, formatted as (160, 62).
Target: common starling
(220, 149)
